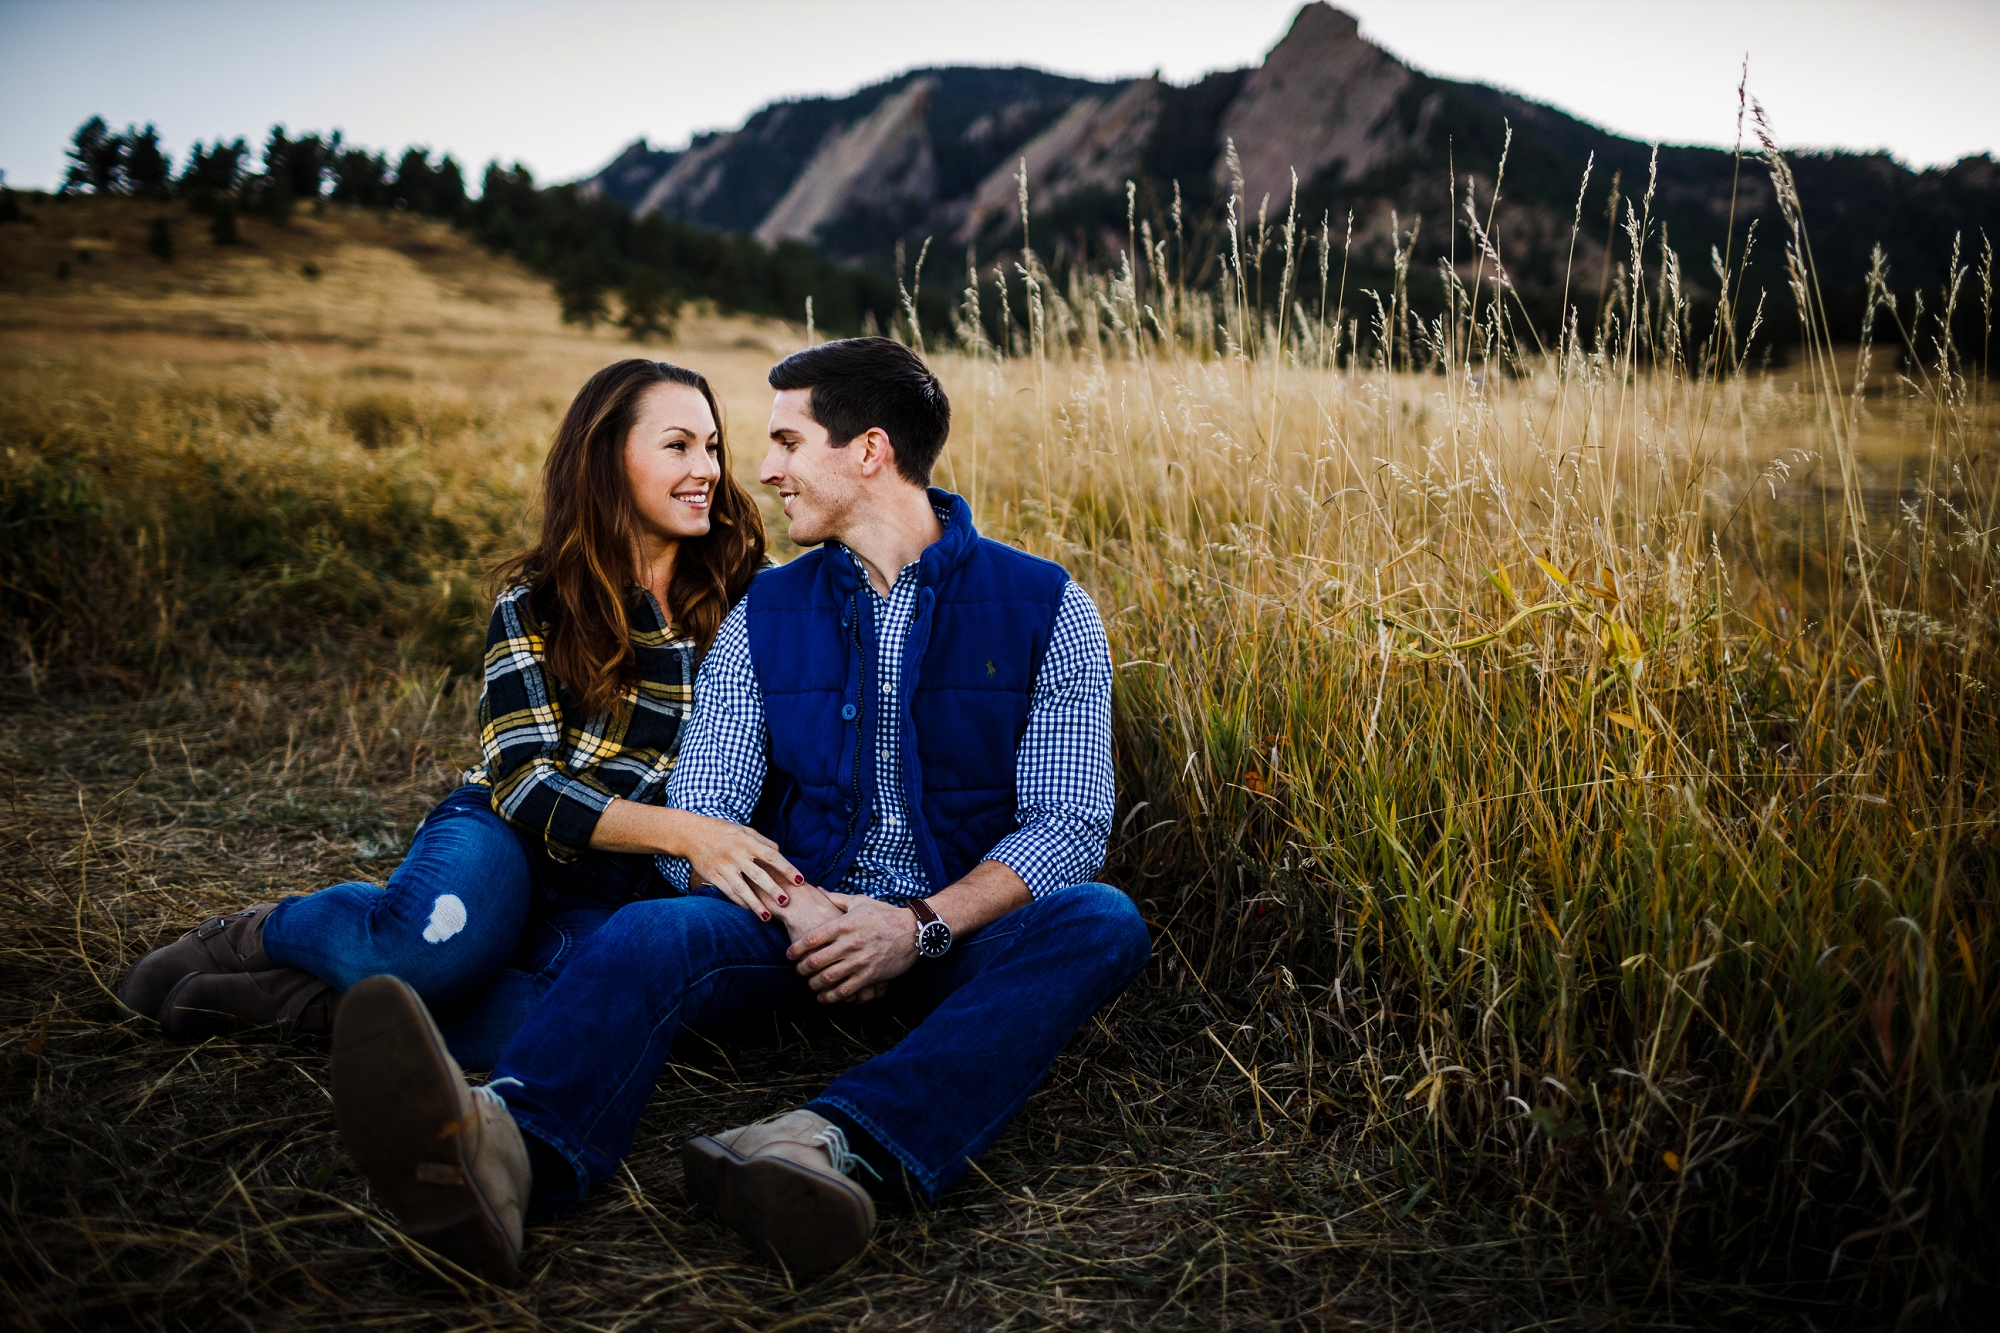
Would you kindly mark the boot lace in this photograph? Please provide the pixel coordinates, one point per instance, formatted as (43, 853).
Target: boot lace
(490, 1092)
(834, 1139)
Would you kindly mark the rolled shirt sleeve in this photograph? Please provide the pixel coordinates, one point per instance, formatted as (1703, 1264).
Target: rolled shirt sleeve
(720, 771)
(1065, 787)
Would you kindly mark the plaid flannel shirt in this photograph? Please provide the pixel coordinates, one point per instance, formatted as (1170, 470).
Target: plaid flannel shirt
(553, 770)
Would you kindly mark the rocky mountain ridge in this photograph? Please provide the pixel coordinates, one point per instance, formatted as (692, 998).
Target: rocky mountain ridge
(936, 153)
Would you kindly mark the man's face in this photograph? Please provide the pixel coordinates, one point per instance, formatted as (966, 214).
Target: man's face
(820, 484)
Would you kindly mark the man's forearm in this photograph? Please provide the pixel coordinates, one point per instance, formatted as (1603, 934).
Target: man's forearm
(988, 892)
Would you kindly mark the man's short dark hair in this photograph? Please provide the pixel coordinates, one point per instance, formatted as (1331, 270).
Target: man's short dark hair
(857, 383)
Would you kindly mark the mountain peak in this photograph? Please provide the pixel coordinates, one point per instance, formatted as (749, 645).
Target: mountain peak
(1316, 25)
(1322, 100)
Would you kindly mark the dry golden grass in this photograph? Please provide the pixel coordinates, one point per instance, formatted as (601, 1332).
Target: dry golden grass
(1633, 966)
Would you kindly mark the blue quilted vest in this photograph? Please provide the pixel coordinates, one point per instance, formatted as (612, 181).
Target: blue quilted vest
(981, 627)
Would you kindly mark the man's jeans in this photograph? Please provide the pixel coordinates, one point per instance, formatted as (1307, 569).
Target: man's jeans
(995, 1012)
(476, 920)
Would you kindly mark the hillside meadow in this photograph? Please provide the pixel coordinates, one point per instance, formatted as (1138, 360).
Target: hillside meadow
(1559, 772)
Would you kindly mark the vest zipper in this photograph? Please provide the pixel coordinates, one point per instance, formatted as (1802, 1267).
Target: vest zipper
(861, 653)
(854, 815)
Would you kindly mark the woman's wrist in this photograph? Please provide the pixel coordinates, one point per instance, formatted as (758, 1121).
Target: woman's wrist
(649, 830)
(810, 908)
(675, 832)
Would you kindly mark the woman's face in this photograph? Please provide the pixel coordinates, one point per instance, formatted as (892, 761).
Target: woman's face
(673, 459)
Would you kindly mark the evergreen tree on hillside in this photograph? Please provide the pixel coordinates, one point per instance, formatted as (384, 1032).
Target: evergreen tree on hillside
(422, 188)
(222, 229)
(97, 160)
(360, 178)
(160, 240)
(214, 173)
(148, 171)
(306, 164)
(272, 191)
(102, 162)
(295, 170)
(650, 306)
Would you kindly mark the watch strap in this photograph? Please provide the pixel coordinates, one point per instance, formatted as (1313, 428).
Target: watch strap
(930, 927)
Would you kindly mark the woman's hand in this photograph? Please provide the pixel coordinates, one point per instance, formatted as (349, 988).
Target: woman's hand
(810, 908)
(742, 863)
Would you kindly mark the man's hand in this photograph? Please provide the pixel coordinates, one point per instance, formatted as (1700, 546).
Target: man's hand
(856, 956)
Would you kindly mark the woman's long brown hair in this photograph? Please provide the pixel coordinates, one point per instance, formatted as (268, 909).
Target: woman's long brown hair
(583, 569)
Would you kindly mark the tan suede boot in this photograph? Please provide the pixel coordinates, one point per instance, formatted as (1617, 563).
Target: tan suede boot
(446, 1158)
(782, 1184)
(213, 1004)
(233, 943)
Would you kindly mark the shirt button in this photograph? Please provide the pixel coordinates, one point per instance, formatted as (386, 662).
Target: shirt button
(886, 689)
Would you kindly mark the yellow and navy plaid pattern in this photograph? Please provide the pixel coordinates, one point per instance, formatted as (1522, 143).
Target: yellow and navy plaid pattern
(553, 770)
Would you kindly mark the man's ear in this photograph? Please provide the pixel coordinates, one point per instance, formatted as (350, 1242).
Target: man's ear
(875, 451)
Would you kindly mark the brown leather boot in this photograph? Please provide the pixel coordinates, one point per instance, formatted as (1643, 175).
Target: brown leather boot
(233, 943)
(446, 1158)
(782, 1185)
(212, 1004)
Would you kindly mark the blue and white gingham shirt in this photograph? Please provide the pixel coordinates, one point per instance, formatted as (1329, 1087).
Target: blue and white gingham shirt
(1063, 785)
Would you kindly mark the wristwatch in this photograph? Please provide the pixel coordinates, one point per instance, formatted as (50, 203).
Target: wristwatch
(933, 935)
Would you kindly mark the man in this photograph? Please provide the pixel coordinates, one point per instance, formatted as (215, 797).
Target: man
(918, 719)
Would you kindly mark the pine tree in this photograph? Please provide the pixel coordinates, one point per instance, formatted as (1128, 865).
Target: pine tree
(360, 178)
(97, 159)
(651, 308)
(214, 173)
(148, 171)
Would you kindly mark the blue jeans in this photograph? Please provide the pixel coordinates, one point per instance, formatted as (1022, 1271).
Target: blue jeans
(477, 919)
(991, 1017)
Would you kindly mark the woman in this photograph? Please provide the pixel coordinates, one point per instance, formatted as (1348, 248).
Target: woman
(646, 542)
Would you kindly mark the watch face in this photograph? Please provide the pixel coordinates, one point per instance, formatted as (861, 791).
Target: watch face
(933, 939)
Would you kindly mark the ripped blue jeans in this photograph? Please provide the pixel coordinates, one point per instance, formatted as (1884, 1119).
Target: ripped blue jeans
(477, 919)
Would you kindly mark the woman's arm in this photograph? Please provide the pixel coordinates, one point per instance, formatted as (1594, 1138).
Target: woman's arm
(742, 863)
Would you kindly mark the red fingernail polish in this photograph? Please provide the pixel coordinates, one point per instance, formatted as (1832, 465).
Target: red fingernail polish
(767, 916)
(798, 879)
(783, 901)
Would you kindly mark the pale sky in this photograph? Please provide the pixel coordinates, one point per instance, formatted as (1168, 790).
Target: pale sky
(562, 86)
